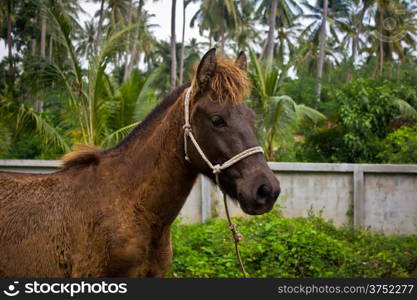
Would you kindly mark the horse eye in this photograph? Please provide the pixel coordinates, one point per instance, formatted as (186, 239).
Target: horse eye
(218, 121)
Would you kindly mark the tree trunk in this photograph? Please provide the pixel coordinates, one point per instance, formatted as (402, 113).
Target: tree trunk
(9, 34)
(355, 41)
(182, 43)
(129, 20)
(43, 35)
(381, 43)
(51, 43)
(381, 56)
(135, 56)
(322, 48)
(262, 54)
(33, 47)
(137, 59)
(269, 50)
(173, 47)
(353, 59)
(99, 26)
(38, 105)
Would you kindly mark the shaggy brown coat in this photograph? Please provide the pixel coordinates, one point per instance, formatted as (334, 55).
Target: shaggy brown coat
(107, 213)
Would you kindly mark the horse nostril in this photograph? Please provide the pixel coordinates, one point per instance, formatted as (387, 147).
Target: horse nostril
(263, 192)
(277, 193)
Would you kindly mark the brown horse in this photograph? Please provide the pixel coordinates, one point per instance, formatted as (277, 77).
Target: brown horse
(109, 212)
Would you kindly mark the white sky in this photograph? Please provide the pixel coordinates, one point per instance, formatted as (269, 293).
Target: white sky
(162, 12)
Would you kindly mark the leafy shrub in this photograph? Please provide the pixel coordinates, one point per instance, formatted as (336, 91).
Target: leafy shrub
(363, 111)
(324, 145)
(5, 139)
(400, 147)
(274, 246)
(27, 147)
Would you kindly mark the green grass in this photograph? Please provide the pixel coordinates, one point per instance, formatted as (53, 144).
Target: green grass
(274, 246)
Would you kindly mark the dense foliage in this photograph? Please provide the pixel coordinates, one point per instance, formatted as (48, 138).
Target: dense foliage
(274, 246)
(364, 112)
(331, 80)
(400, 146)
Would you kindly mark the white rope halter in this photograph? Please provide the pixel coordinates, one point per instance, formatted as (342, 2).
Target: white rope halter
(217, 170)
(188, 133)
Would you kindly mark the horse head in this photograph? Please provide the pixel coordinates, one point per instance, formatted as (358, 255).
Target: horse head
(222, 126)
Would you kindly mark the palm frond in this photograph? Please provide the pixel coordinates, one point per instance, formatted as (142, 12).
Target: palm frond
(47, 131)
(117, 135)
(307, 113)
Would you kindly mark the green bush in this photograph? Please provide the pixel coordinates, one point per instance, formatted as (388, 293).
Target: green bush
(362, 113)
(400, 147)
(274, 246)
(5, 139)
(324, 145)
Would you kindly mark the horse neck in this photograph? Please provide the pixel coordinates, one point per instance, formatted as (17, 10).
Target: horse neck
(156, 175)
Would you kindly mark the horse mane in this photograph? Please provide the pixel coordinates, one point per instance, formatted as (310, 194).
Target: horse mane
(229, 84)
(166, 103)
(85, 155)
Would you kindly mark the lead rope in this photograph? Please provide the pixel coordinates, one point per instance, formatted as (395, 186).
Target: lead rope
(216, 171)
(237, 236)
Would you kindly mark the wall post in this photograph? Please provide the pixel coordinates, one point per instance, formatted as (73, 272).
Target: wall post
(205, 199)
(358, 197)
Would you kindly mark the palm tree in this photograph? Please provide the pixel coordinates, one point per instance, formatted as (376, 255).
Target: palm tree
(173, 46)
(191, 57)
(100, 21)
(219, 17)
(278, 115)
(104, 111)
(247, 33)
(305, 57)
(9, 30)
(43, 32)
(128, 43)
(322, 45)
(395, 28)
(116, 13)
(7, 13)
(184, 8)
(271, 30)
(358, 28)
(86, 38)
(351, 28)
(144, 39)
(280, 14)
(71, 9)
(288, 35)
(324, 12)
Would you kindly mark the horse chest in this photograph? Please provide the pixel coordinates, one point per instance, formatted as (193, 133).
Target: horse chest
(140, 252)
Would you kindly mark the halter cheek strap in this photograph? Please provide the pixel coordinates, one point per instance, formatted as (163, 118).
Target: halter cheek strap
(189, 134)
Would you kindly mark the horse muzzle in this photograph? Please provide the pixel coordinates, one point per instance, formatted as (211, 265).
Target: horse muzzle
(258, 194)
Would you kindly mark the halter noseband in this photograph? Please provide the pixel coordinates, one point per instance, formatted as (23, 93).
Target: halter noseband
(217, 170)
(188, 133)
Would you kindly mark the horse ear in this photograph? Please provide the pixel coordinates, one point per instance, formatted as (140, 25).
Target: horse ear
(206, 69)
(241, 61)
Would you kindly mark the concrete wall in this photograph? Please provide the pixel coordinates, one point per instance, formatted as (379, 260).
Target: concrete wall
(382, 198)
